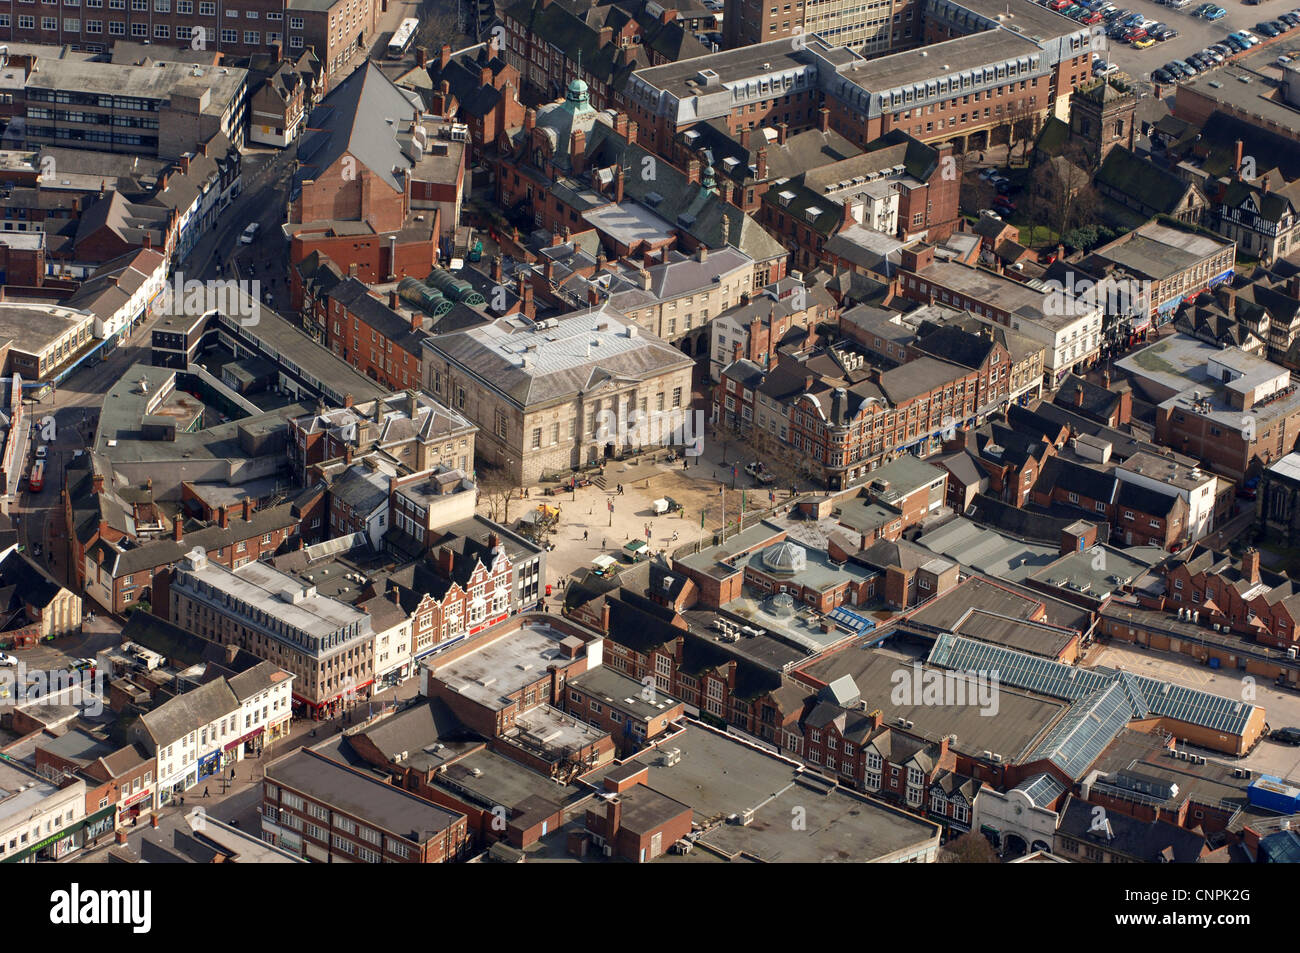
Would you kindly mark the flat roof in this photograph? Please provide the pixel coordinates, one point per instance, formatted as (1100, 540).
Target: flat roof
(489, 779)
(33, 327)
(1019, 721)
(490, 674)
(157, 81)
(939, 59)
(840, 827)
(625, 693)
(730, 66)
(1005, 294)
(365, 798)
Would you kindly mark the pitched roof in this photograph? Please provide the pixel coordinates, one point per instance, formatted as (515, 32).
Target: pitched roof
(1151, 186)
(188, 712)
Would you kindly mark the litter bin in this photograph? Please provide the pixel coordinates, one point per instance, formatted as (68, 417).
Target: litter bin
(548, 590)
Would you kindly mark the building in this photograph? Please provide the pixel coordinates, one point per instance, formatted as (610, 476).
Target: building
(413, 430)
(278, 106)
(1162, 475)
(326, 645)
(1237, 595)
(187, 736)
(1279, 496)
(43, 608)
(537, 391)
(330, 813)
(1102, 119)
(1146, 188)
(1068, 326)
(632, 712)
(44, 340)
(474, 86)
(635, 822)
(1261, 215)
(1230, 410)
(869, 29)
(337, 31)
(41, 820)
(124, 776)
(784, 314)
(121, 292)
(1172, 265)
(175, 106)
(377, 194)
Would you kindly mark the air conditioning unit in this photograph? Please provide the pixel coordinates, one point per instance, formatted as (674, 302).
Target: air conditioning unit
(746, 817)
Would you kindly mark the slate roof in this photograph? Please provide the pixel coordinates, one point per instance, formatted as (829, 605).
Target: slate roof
(1154, 842)
(353, 119)
(1142, 180)
(185, 713)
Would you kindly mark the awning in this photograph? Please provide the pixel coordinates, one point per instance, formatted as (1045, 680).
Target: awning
(239, 741)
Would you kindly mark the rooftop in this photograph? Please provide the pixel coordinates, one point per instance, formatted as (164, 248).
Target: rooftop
(366, 798)
(492, 673)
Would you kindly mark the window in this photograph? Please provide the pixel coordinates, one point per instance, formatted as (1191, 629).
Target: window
(295, 23)
(229, 36)
(252, 37)
(207, 8)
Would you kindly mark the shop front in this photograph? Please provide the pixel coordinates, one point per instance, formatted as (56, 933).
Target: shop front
(209, 765)
(248, 746)
(60, 844)
(136, 805)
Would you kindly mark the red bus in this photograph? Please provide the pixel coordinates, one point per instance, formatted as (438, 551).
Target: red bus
(36, 482)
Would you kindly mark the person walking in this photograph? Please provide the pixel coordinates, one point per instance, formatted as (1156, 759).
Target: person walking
(603, 542)
(206, 792)
(585, 534)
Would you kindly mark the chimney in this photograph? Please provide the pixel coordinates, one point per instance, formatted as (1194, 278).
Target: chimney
(781, 131)
(593, 297)
(1263, 183)
(496, 269)
(98, 483)
(693, 171)
(527, 305)
(618, 184)
(613, 818)
(147, 241)
(620, 124)
(412, 404)
(421, 57)
(846, 215)
(248, 508)
(417, 322)
(760, 165)
(604, 617)
(185, 165)
(444, 56)
(178, 527)
(606, 36)
(702, 253)
(744, 138)
(577, 150)
(223, 516)
(824, 119)
(347, 400)
(530, 120)
(347, 454)
(1250, 565)
(628, 54)
(446, 559)
(392, 299)
(1230, 302)
(808, 381)
(548, 272)
(485, 76)
(1236, 161)
(1078, 394)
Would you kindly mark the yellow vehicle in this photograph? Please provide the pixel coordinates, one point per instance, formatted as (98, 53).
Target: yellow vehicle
(1144, 43)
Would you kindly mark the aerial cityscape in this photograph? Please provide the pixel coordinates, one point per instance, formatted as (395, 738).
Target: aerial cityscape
(649, 431)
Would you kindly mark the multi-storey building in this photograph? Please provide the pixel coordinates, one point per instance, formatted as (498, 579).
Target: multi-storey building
(326, 644)
(338, 31)
(838, 419)
(753, 329)
(413, 429)
(165, 109)
(872, 28)
(331, 813)
(1237, 595)
(537, 391)
(41, 820)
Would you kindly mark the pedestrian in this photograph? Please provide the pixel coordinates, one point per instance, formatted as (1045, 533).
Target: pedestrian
(206, 792)
(584, 535)
(603, 542)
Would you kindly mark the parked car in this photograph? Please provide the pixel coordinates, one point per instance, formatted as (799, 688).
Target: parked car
(1186, 68)
(1091, 18)
(41, 452)
(1267, 30)
(1288, 736)
(1145, 43)
(988, 174)
(1216, 58)
(1236, 44)
(249, 233)
(7, 661)
(1279, 25)
(1283, 60)
(1290, 18)
(1218, 13)
(1250, 38)
(1162, 75)
(1004, 205)
(1222, 49)
(1005, 187)
(1203, 9)
(1166, 34)
(1116, 15)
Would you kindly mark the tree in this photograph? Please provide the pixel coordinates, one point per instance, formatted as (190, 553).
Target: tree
(1062, 194)
(969, 848)
(440, 22)
(497, 491)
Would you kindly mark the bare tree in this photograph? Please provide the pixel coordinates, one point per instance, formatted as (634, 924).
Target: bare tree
(497, 490)
(1062, 194)
(969, 848)
(441, 22)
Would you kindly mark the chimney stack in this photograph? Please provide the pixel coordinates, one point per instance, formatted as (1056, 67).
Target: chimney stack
(223, 516)
(444, 56)
(760, 165)
(781, 131)
(1237, 157)
(98, 483)
(178, 527)
(1250, 565)
(421, 57)
(1078, 394)
(693, 171)
(347, 400)
(824, 119)
(248, 508)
